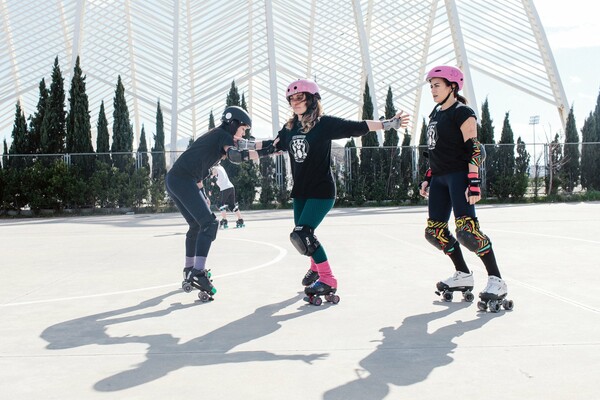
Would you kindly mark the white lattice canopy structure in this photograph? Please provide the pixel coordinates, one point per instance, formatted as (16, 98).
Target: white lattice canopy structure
(186, 53)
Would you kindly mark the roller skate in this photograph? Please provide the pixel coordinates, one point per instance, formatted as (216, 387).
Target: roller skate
(223, 224)
(318, 289)
(494, 296)
(310, 277)
(239, 223)
(459, 282)
(199, 279)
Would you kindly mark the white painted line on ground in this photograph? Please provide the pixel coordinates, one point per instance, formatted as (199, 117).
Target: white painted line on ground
(279, 257)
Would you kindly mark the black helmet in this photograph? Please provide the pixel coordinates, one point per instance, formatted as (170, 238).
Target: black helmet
(237, 113)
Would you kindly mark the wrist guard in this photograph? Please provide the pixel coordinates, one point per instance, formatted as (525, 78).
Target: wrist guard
(393, 123)
(267, 148)
(474, 184)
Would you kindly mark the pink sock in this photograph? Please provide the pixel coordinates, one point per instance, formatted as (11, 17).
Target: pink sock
(313, 265)
(325, 274)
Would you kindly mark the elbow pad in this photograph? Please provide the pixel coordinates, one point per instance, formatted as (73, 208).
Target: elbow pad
(243, 144)
(236, 156)
(477, 152)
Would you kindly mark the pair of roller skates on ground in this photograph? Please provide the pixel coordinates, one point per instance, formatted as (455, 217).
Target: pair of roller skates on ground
(223, 224)
(493, 297)
(314, 289)
(198, 279)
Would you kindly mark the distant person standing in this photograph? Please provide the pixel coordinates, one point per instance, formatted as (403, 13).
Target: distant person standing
(227, 197)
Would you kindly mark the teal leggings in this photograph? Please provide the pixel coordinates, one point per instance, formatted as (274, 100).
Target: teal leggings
(310, 212)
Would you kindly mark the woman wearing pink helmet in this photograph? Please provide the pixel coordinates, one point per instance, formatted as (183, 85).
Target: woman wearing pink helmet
(307, 137)
(452, 185)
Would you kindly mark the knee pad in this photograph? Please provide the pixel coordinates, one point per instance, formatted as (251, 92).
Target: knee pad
(210, 227)
(439, 236)
(192, 233)
(236, 208)
(469, 235)
(304, 240)
(223, 208)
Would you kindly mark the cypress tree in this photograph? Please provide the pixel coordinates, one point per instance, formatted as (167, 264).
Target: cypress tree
(233, 170)
(354, 182)
(406, 167)
(505, 162)
(122, 131)
(103, 137)
(590, 160)
(485, 133)
(53, 125)
(521, 180)
(159, 161)
(571, 167)
(423, 164)
(211, 120)
(142, 151)
(389, 162)
(79, 130)
(370, 165)
(35, 123)
(555, 161)
(19, 139)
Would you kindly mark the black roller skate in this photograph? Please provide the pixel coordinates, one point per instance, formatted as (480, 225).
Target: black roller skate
(199, 279)
(223, 224)
(318, 289)
(494, 296)
(310, 277)
(459, 282)
(239, 223)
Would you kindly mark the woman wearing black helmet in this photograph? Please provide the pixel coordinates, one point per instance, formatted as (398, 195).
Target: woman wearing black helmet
(194, 165)
(307, 137)
(452, 185)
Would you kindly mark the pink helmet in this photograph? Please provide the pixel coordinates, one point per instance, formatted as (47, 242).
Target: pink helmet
(302, 85)
(451, 74)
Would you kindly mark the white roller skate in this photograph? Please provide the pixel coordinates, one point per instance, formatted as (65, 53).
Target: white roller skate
(494, 296)
(461, 282)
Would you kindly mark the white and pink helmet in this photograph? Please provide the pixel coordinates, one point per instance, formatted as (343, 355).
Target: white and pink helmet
(451, 74)
(302, 85)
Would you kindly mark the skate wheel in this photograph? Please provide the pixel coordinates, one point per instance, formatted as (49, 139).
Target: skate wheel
(468, 296)
(447, 296)
(204, 297)
(316, 301)
(508, 304)
(494, 306)
(335, 299)
(482, 305)
(186, 286)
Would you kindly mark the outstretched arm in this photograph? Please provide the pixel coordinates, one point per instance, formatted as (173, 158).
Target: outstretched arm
(399, 121)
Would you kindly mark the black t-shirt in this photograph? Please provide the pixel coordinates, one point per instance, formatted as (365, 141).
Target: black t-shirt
(310, 154)
(445, 142)
(203, 154)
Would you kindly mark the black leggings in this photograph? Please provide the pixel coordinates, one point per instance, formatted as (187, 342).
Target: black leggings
(194, 208)
(446, 194)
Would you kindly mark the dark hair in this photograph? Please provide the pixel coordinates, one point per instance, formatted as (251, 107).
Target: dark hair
(313, 113)
(454, 87)
(231, 127)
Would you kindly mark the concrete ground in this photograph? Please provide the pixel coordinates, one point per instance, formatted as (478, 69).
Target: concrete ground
(92, 308)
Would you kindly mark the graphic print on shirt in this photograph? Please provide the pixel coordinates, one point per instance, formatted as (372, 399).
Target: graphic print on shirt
(299, 148)
(432, 135)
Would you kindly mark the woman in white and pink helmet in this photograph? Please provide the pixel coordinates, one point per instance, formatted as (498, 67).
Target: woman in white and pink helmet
(452, 185)
(307, 137)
